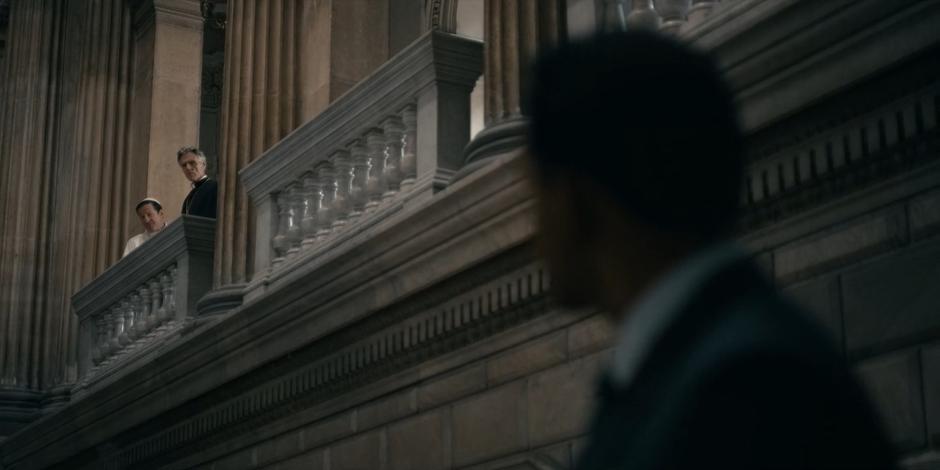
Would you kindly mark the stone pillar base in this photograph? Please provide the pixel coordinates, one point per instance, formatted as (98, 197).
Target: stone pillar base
(221, 300)
(496, 139)
(18, 408)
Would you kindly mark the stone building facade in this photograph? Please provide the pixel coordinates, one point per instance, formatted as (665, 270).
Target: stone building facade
(369, 297)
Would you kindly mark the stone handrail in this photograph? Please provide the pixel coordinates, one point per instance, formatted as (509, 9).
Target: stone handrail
(143, 300)
(397, 136)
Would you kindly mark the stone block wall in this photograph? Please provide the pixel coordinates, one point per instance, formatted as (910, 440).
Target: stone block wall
(884, 308)
(522, 403)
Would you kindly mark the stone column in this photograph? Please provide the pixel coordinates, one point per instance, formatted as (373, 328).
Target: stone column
(167, 77)
(515, 31)
(27, 105)
(64, 109)
(260, 104)
(285, 61)
(94, 141)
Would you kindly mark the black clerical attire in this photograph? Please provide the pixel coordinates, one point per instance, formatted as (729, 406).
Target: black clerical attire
(202, 198)
(737, 378)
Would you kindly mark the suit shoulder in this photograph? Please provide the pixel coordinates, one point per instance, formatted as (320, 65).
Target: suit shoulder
(761, 329)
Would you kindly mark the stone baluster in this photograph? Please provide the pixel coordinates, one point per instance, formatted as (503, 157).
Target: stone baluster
(311, 201)
(393, 129)
(100, 349)
(342, 166)
(375, 187)
(409, 158)
(327, 196)
(117, 318)
(165, 315)
(171, 296)
(700, 9)
(127, 315)
(133, 329)
(279, 241)
(359, 187)
(144, 321)
(108, 326)
(156, 295)
(294, 232)
(643, 16)
(673, 13)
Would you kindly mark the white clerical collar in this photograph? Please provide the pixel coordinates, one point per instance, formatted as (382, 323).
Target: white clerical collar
(647, 318)
(200, 180)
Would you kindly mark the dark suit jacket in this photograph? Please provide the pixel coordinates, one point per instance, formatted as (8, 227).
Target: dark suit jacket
(202, 199)
(740, 379)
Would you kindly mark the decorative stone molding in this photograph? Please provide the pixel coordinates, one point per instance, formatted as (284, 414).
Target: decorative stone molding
(337, 366)
(212, 79)
(887, 127)
(781, 56)
(441, 15)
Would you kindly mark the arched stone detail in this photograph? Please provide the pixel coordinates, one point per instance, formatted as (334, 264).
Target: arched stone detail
(441, 15)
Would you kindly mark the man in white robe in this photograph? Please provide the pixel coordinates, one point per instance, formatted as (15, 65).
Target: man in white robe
(150, 213)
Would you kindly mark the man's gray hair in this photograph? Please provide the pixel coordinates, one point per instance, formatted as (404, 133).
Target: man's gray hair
(193, 150)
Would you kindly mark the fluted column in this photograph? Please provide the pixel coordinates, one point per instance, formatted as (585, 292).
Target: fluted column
(279, 72)
(261, 103)
(515, 31)
(67, 210)
(28, 106)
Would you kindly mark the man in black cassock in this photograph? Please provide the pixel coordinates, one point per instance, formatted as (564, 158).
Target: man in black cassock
(203, 196)
(637, 162)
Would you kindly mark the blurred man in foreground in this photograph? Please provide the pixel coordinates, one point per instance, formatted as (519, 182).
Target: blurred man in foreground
(150, 213)
(637, 157)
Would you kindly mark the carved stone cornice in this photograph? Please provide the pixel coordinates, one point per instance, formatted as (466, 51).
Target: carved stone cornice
(868, 134)
(783, 55)
(350, 359)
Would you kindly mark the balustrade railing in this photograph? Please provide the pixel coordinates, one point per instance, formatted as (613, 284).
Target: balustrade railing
(664, 15)
(398, 136)
(144, 300)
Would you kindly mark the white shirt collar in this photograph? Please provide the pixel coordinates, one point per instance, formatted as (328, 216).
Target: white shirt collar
(647, 318)
(200, 180)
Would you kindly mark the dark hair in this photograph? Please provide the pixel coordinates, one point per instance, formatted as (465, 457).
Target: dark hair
(156, 205)
(649, 119)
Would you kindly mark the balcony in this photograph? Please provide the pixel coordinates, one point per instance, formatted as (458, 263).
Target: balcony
(391, 142)
(144, 303)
